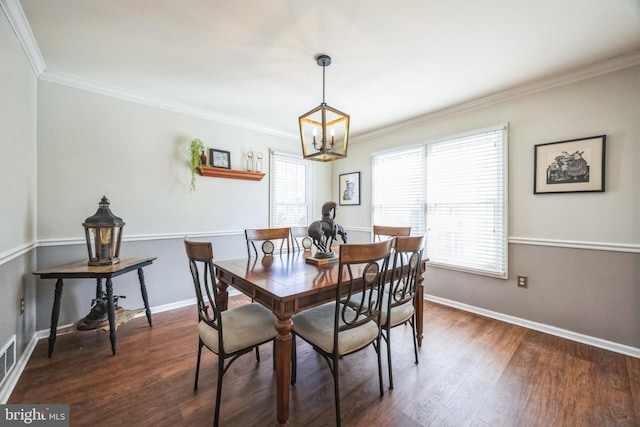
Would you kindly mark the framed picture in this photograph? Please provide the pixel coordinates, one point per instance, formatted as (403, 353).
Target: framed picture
(570, 166)
(349, 189)
(220, 158)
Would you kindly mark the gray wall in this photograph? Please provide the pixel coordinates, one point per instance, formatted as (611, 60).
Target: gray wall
(581, 251)
(17, 190)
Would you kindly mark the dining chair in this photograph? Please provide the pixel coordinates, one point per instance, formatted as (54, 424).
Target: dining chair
(273, 240)
(398, 299)
(297, 236)
(336, 330)
(382, 232)
(227, 333)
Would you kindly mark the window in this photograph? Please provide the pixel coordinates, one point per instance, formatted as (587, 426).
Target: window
(397, 195)
(465, 198)
(290, 181)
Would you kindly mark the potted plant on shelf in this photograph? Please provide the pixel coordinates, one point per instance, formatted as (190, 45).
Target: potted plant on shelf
(195, 148)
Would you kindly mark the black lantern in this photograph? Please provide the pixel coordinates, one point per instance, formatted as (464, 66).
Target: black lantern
(103, 232)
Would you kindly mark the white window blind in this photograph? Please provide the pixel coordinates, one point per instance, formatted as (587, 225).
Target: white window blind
(290, 181)
(455, 191)
(467, 202)
(398, 188)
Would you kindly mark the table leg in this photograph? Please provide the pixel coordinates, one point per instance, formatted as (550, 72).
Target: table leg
(145, 298)
(111, 311)
(283, 369)
(98, 288)
(223, 295)
(418, 304)
(55, 314)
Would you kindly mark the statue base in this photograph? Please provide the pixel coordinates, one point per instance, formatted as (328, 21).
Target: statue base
(320, 261)
(324, 255)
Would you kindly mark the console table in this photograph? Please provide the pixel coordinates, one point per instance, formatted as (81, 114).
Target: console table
(81, 270)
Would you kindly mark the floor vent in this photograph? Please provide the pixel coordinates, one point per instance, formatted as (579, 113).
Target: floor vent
(7, 358)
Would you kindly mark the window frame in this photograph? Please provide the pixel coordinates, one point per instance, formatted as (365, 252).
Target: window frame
(500, 265)
(274, 157)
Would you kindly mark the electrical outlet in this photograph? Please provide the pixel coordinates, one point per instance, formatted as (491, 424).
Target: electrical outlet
(522, 281)
(21, 305)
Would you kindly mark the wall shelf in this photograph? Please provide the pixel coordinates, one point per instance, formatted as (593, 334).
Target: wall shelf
(230, 173)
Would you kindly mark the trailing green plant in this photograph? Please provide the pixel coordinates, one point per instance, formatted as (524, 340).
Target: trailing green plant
(195, 148)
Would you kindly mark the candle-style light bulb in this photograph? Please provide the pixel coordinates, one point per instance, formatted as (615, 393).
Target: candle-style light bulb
(315, 134)
(333, 134)
(105, 243)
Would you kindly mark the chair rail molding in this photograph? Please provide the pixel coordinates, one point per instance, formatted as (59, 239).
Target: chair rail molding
(13, 253)
(574, 244)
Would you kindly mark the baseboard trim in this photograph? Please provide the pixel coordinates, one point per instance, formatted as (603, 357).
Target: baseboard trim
(551, 330)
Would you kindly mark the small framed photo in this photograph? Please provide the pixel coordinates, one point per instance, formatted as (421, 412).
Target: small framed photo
(349, 190)
(220, 158)
(571, 166)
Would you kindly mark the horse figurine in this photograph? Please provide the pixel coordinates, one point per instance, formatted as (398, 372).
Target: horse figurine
(324, 232)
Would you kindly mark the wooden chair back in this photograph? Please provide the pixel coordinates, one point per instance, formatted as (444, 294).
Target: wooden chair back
(382, 232)
(407, 256)
(278, 236)
(366, 264)
(297, 234)
(200, 256)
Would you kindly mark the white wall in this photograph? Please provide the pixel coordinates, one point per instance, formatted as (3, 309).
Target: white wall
(91, 145)
(609, 104)
(17, 142)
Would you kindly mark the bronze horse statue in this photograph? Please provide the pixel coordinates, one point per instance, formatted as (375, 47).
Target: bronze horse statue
(325, 231)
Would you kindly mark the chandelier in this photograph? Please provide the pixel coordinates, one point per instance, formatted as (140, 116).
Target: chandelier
(324, 131)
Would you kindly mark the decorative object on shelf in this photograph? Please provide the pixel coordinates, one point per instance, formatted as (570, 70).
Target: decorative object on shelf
(220, 158)
(327, 123)
(324, 232)
(349, 188)
(230, 173)
(103, 232)
(258, 162)
(574, 165)
(203, 159)
(195, 148)
(250, 161)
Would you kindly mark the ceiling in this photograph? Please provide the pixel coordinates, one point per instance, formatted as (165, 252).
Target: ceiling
(251, 62)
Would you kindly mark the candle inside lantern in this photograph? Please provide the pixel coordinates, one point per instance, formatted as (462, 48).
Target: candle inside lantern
(105, 242)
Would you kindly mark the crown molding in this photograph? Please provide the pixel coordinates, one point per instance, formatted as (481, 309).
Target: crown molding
(18, 21)
(616, 63)
(139, 98)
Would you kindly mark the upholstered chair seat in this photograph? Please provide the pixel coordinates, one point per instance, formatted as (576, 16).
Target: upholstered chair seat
(243, 327)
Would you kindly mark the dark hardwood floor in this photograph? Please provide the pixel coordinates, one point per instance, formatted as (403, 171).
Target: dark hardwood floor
(473, 371)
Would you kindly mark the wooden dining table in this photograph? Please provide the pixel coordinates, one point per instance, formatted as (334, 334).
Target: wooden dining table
(287, 284)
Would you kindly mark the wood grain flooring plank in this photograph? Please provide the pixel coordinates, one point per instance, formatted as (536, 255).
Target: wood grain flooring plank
(633, 369)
